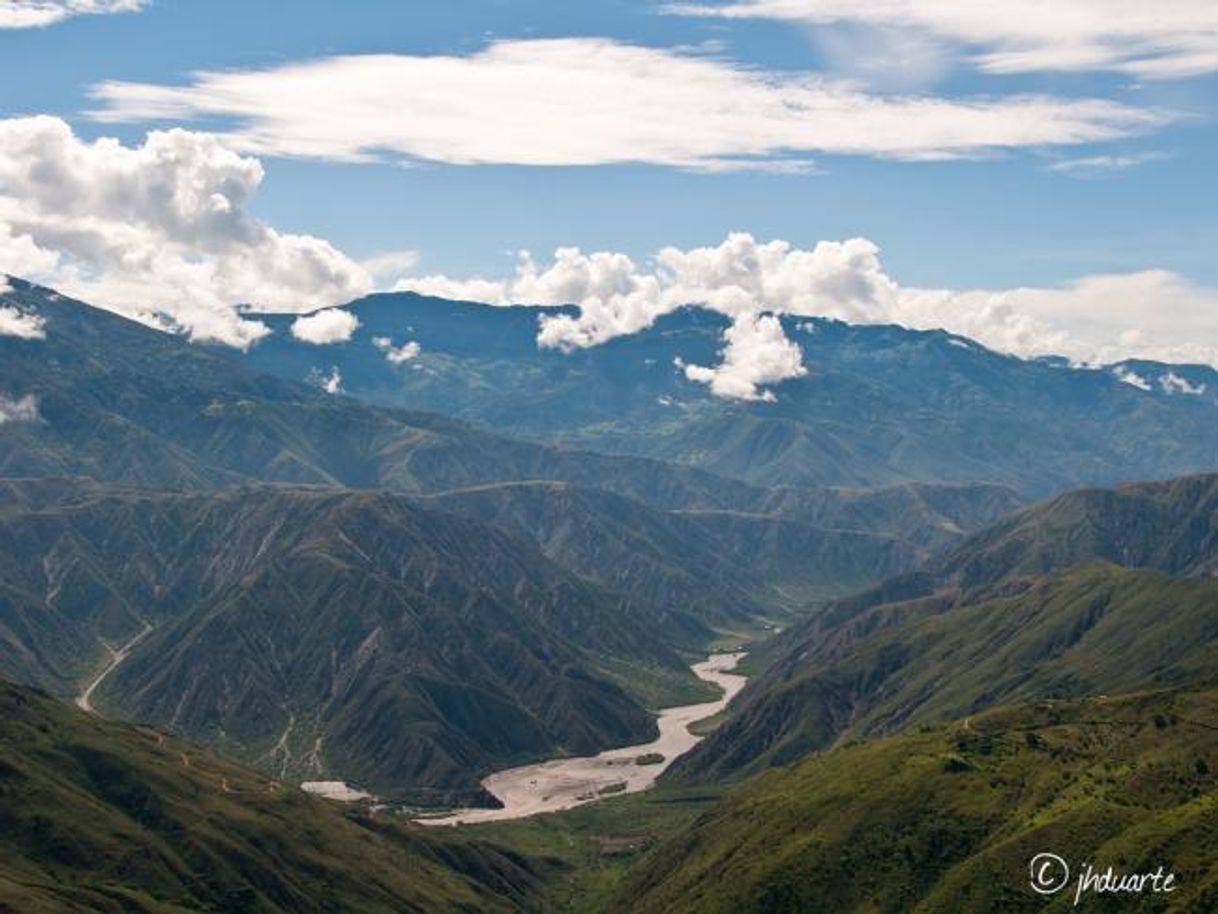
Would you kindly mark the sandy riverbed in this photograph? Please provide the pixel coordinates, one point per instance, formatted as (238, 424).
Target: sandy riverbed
(567, 782)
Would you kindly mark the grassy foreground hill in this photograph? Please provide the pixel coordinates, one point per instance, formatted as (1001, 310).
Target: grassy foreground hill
(946, 820)
(104, 817)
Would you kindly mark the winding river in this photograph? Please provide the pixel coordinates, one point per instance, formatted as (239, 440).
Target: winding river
(566, 782)
(84, 700)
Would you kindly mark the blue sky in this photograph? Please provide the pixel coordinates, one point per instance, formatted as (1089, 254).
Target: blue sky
(975, 153)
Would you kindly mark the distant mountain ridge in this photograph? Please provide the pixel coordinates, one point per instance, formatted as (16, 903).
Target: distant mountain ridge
(879, 404)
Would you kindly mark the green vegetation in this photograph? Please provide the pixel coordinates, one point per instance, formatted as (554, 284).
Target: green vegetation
(649, 758)
(406, 650)
(594, 846)
(1029, 608)
(103, 817)
(947, 819)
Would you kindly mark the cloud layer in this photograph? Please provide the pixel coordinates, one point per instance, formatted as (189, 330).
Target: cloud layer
(159, 231)
(1151, 314)
(593, 101)
(29, 14)
(1167, 39)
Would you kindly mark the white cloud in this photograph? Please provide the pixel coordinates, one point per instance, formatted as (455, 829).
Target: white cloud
(322, 328)
(159, 232)
(331, 383)
(28, 14)
(1153, 314)
(388, 267)
(590, 101)
(1099, 166)
(25, 325)
(757, 352)
(397, 355)
(23, 410)
(617, 297)
(1167, 39)
(1172, 383)
(1131, 377)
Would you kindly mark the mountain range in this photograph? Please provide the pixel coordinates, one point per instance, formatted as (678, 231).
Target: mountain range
(278, 564)
(484, 553)
(1093, 592)
(878, 405)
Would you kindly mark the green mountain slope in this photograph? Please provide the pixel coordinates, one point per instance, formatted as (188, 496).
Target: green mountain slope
(1032, 607)
(122, 403)
(119, 402)
(948, 819)
(325, 632)
(729, 564)
(104, 817)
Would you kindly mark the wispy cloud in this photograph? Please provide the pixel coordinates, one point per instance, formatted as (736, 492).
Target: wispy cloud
(1168, 39)
(1100, 166)
(29, 14)
(590, 101)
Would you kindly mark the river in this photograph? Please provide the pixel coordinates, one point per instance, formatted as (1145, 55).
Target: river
(84, 700)
(566, 782)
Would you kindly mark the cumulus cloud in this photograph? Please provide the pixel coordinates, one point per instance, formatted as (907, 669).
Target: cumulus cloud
(24, 409)
(397, 355)
(1168, 39)
(1153, 314)
(28, 14)
(593, 101)
(616, 296)
(757, 352)
(322, 328)
(159, 232)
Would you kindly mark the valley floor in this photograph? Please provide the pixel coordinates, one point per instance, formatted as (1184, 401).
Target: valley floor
(564, 783)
